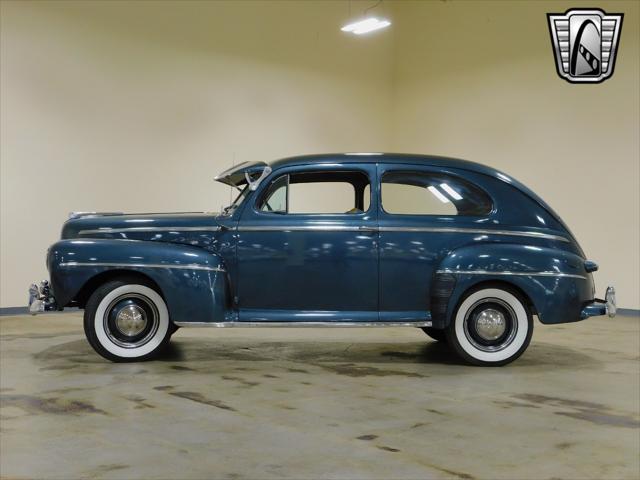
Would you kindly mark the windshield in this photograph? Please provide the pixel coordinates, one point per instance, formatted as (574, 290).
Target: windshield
(237, 202)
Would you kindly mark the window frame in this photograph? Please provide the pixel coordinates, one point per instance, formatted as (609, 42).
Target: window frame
(265, 191)
(417, 171)
(263, 195)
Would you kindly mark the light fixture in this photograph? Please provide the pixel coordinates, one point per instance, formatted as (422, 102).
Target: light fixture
(367, 25)
(438, 194)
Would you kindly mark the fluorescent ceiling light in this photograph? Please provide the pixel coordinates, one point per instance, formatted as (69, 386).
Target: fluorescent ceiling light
(438, 194)
(367, 25)
(455, 195)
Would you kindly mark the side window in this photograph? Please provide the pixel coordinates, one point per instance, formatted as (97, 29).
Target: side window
(318, 193)
(419, 193)
(276, 199)
(321, 197)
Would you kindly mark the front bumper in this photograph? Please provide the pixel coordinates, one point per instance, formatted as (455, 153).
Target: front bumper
(601, 307)
(41, 298)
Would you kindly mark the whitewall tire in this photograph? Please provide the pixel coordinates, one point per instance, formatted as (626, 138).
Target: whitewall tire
(491, 326)
(126, 320)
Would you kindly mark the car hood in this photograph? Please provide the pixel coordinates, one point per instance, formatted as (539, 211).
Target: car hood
(191, 228)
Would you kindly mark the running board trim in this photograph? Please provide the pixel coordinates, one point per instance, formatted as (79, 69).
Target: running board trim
(304, 324)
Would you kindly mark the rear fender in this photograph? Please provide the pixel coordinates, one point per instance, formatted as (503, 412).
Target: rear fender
(192, 281)
(555, 282)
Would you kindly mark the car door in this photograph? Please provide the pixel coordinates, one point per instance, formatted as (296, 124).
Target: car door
(308, 246)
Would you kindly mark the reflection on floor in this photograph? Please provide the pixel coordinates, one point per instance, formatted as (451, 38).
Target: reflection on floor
(318, 403)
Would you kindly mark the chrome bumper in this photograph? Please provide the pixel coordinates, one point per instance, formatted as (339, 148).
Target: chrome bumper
(601, 307)
(40, 298)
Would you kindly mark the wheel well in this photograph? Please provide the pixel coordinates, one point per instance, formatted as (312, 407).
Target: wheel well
(94, 282)
(507, 285)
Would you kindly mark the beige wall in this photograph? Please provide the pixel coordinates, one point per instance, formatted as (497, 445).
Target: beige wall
(136, 106)
(477, 80)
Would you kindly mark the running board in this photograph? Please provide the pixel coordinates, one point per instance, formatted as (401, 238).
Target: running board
(303, 324)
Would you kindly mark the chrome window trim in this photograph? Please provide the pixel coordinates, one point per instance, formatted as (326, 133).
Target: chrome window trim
(142, 265)
(304, 324)
(148, 229)
(431, 170)
(510, 273)
(349, 168)
(484, 231)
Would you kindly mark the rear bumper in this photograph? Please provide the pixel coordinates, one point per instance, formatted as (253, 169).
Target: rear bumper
(601, 307)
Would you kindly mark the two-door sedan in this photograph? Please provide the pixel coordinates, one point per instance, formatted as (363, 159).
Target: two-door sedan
(462, 251)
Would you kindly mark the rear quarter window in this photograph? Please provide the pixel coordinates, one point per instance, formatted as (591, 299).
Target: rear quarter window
(422, 193)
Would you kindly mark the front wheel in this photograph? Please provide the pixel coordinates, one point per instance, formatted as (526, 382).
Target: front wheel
(127, 321)
(491, 326)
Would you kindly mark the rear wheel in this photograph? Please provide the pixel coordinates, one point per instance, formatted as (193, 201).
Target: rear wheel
(127, 321)
(491, 326)
(437, 334)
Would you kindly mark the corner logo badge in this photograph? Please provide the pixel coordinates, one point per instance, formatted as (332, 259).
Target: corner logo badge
(585, 43)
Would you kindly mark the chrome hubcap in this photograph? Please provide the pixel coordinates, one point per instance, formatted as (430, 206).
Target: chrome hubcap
(131, 320)
(490, 324)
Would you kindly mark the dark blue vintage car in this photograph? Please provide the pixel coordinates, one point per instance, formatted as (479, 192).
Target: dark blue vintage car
(460, 250)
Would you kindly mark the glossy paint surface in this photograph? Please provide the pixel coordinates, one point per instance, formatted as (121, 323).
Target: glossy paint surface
(301, 262)
(191, 280)
(196, 229)
(371, 266)
(414, 247)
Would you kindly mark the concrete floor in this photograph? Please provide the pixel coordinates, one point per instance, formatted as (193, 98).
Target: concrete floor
(319, 403)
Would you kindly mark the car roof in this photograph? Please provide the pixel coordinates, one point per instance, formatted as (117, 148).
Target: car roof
(371, 157)
(402, 158)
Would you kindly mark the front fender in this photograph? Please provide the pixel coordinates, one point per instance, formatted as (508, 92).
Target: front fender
(555, 281)
(192, 281)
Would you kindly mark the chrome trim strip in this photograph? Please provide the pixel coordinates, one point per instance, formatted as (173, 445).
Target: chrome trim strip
(509, 273)
(303, 324)
(148, 229)
(363, 228)
(305, 228)
(484, 231)
(74, 215)
(142, 265)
